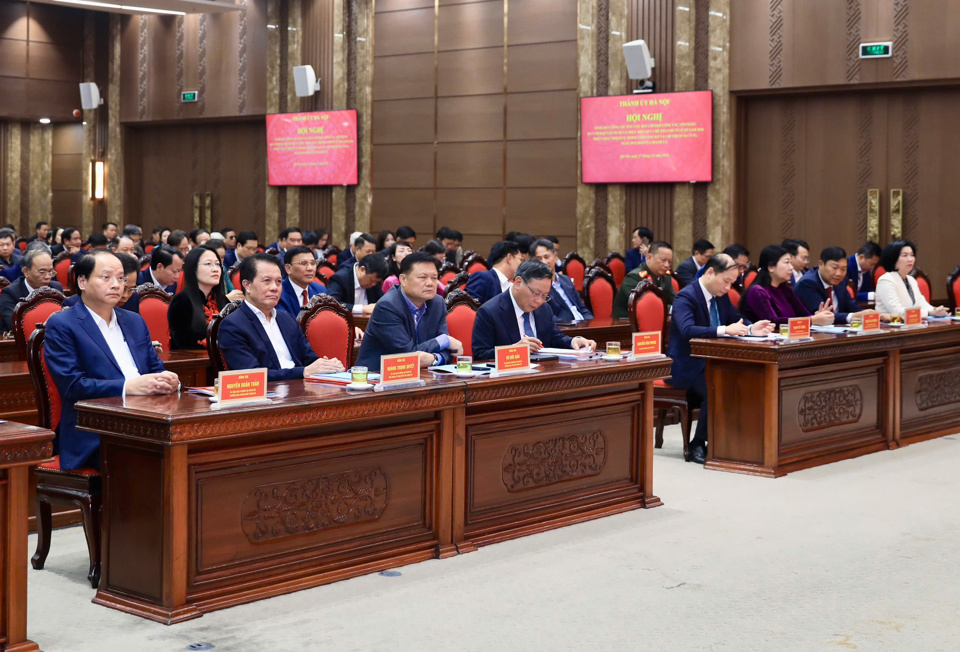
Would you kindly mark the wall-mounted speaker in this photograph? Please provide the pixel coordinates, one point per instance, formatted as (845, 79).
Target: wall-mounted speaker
(90, 96)
(639, 62)
(305, 81)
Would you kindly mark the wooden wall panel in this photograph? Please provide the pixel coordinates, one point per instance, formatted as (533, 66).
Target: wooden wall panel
(406, 76)
(542, 115)
(470, 118)
(469, 72)
(470, 26)
(403, 121)
(542, 67)
(403, 32)
(470, 165)
(542, 21)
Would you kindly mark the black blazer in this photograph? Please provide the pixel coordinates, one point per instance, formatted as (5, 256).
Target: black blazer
(11, 295)
(686, 271)
(180, 320)
(341, 288)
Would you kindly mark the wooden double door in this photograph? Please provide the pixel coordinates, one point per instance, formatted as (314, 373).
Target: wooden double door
(805, 164)
(209, 175)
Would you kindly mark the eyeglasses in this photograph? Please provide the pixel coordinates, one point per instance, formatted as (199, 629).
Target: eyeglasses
(538, 295)
(305, 263)
(43, 272)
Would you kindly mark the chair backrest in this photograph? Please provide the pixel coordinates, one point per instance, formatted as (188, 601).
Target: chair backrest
(458, 282)
(145, 262)
(33, 309)
(734, 295)
(675, 283)
(22, 244)
(475, 263)
(213, 331)
(329, 328)
(234, 274)
(617, 266)
(923, 282)
(273, 251)
(461, 311)
(878, 271)
(575, 268)
(148, 248)
(953, 288)
(181, 281)
(598, 293)
(61, 268)
(467, 254)
(326, 268)
(850, 290)
(447, 271)
(154, 302)
(647, 306)
(48, 396)
(4, 282)
(331, 253)
(750, 275)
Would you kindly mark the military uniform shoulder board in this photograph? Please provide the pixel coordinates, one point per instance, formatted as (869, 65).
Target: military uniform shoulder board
(644, 273)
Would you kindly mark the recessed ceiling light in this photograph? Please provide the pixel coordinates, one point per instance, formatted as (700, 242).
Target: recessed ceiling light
(44, 121)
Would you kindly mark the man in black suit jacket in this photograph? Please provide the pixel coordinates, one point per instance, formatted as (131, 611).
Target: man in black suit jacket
(687, 270)
(358, 287)
(362, 246)
(566, 302)
(37, 268)
(826, 285)
(164, 271)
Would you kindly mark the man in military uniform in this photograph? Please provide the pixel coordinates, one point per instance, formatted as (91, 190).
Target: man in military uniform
(656, 268)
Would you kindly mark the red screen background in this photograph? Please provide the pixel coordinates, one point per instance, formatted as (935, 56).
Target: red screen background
(312, 149)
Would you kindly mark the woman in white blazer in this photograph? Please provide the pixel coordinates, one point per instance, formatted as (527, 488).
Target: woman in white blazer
(897, 290)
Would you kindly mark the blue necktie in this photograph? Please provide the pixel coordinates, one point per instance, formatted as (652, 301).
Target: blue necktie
(527, 326)
(714, 313)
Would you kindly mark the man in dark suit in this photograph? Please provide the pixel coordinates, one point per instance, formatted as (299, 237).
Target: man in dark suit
(826, 285)
(165, 266)
(361, 247)
(95, 351)
(300, 285)
(247, 245)
(9, 254)
(860, 268)
(520, 315)
(639, 244)
(411, 317)
(799, 252)
(358, 287)
(43, 230)
(258, 335)
(687, 270)
(566, 304)
(703, 309)
(71, 241)
(129, 300)
(37, 268)
(505, 257)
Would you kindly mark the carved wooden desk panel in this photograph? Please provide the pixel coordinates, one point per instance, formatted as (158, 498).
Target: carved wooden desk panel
(21, 448)
(777, 408)
(569, 443)
(8, 349)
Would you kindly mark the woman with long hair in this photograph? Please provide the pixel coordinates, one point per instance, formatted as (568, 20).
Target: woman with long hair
(385, 240)
(201, 298)
(395, 255)
(771, 296)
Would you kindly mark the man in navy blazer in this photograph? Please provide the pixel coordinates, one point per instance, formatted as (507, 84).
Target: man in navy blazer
(411, 317)
(702, 309)
(504, 259)
(362, 246)
(359, 287)
(860, 268)
(687, 270)
(300, 285)
(166, 262)
(566, 302)
(826, 286)
(37, 268)
(95, 351)
(520, 315)
(258, 335)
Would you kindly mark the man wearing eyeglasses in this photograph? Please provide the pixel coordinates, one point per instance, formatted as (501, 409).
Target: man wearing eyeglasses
(521, 316)
(37, 268)
(301, 283)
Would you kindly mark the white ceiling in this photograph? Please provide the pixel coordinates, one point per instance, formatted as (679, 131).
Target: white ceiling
(149, 7)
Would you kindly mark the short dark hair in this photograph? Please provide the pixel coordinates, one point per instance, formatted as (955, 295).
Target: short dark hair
(362, 238)
(243, 237)
(501, 250)
(215, 245)
(310, 238)
(8, 233)
(736, 250)
(196, 233)
(719, 263)
(34, 250)
(88, 262)
(163, 255)
(542, 242)
(39, 224)
(644, 232)
(417, 257)
(130, 263)
(175, 237)
(891, 253)
(444, 232)
(833, 253)
(533, 270)
(702, 246)
(552, 238)
(114, 224)
(405, 233)
(225, 230)
(524, 241)
(770, 256)
(248, 267)
(293, 252)
(64, 236)
(158, 229)
(870, 249)
(98, 240)
(434, 247)
(374, 264)
(455, 235)
(792, 245)
(132, 229)
(657, 246)
(287, 231)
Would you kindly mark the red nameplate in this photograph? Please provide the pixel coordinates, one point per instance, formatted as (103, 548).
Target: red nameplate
(646, 344)
(799, 328)
(514, 357)
(399, 368)
(913, 317)
(242, 386)
(871, 321)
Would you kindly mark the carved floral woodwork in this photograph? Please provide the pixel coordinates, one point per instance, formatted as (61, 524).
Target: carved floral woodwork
(829, 408)
(545, 462)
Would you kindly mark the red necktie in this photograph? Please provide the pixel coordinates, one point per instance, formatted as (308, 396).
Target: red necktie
(304, 298)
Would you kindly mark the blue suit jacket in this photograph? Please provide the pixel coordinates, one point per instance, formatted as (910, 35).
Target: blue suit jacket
(145, 277)
(811, 292)
(245, 344)
(484, 286)
(346, 262)
(229, 258)
(633, 259)
(686, 271)
(290, 302)
(562, 312)
(83, 367)
(496, 325)
(691, 319)
(867, 286)
(391, 329)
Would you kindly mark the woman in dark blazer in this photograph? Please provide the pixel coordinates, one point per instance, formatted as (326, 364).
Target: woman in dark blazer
(201, 298)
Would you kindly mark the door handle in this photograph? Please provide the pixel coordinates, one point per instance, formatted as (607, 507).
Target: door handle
(196, 211)
(208, 209)
(873, 215)
(896, 214)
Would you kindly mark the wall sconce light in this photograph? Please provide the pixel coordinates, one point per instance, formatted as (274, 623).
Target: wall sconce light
(96, 179)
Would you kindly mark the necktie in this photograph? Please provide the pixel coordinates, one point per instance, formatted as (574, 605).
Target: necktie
(527, 326)
(304, 298)
(714, 313)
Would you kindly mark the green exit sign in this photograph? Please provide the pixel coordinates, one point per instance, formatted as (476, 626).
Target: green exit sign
(188, 96)
(876, 50)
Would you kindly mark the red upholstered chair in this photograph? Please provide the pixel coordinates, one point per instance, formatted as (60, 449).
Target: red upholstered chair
(598, 293)
(648, 312)
(331, 254)
(575, 268)
(273, 251)
(461, 311)
(144, 262)
(78, 487)
(750, 275)
(675, 283)
(329, 328)
(467, 254)
(923, 282)
(617, 266)
(447, 271)
(148, 248)
(234, 274)
(458, 282)
(31, 310)
(878, 271)
(474, 264)
(213, 344)
(734, 295)
(181, 281)
(851, 291)
(22, 244)
(953, 288)
(61, 268)
(4, 282)
(154, 302)
(326, 268)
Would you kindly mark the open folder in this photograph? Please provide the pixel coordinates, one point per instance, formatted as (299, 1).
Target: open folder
(569, 354)
(340, 378)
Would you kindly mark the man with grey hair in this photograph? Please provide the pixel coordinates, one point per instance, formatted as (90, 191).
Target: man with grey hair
(125, 245)
(135, 233)
(521, 316)
(37, 268)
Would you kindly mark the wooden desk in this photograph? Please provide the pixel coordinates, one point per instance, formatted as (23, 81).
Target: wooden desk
(777, 408)
(21, 448)
(8, 349)
(206, 509)
(601, 331)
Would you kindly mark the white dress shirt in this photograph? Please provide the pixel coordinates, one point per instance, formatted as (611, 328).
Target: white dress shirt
(154, 278)
(299, 292)
(504, 281)
(117, 344)
(860, 273)
(274, 335)
(563, 295)
(359, 294)
(797, 275)
(721, 329)
(519, 311)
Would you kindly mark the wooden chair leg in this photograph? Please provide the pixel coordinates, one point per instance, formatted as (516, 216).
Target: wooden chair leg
(661, 417)
(91, 509)
(685, 413)
(43, 533)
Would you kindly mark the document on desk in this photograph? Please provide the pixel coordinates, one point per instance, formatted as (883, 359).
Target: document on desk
(830, 329)
(570, 354)
(340, 378)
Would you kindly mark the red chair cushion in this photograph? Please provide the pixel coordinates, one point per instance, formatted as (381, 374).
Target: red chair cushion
(446, 278)
(329, 336)
(235, 280)
(38, 315)
(62, 270)
(877, 273)
(476, 267)
(956, 291)
(650, 313)
(659, 382)
(460, 326)
(148, 248)
(154, 312)
(332, 258)
(23, 246)
(180, 281)
(675, 283)
(924, 288)
(851, 291)
(734, 297)
(619, 270)
(575, 271)
(749, 278)
(55, 466)
(53, 396)
(601, 297)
